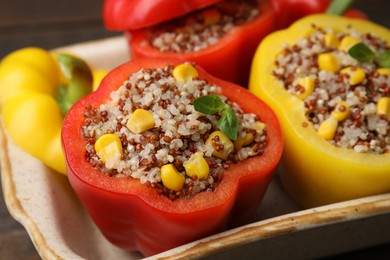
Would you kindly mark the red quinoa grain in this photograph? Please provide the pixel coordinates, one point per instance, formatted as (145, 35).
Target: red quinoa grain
(178, 133)
(190, 33)
(363, 130)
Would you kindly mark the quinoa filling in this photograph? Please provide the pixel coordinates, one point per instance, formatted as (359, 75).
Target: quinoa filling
(346, 101)
(202, 28)
(169, 138)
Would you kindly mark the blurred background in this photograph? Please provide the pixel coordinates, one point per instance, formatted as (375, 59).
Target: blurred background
(49, 23)
(52, 23)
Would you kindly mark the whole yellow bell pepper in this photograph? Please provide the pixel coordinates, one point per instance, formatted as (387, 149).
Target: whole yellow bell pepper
(314, 171)
(37, 87)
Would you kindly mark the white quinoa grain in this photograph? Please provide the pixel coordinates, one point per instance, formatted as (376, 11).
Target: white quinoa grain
(363, 130)
(190, 34)
(179, 131)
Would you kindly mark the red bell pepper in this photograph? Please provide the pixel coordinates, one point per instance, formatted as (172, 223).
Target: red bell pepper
(229, 59)
(132, 215)
(289, 11)
(135, 14)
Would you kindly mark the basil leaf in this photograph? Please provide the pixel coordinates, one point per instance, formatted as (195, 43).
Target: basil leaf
(384, 59)
(209, 104)
(338, 7)
(228, 123)
(362, 52)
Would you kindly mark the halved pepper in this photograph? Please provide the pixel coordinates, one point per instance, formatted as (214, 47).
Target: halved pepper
(37, 87)
(134, 14)
(231, 56)
(314, 171)
(134, 216)
(228, 59)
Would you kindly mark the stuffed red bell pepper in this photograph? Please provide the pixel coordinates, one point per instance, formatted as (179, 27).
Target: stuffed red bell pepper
(221, 36)
(163, 153)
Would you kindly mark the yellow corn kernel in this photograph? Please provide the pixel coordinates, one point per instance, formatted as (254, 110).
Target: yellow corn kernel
(243, 141)
(328, 128)
(347, 42)
(184, 72)
(259, 127)
(222, 146)
(331, 40)
(383, 107)
(341, 111)
(108, 147)
(211, 16)
(308, 84)
(171, 177)
(197, 165)
(384, 71)
(356, 75)
(141, 120)
(329, 62)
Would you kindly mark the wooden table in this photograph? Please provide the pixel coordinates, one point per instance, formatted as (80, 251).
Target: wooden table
(50, 24)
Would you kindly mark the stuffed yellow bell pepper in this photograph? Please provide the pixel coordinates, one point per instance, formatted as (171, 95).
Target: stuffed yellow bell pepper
(327, 79)
(37, 88)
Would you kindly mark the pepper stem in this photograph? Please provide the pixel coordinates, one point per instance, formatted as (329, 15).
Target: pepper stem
(78, 84)
(338, 7)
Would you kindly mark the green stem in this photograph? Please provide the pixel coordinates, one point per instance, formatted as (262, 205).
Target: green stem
(79, 78)
(338, 7)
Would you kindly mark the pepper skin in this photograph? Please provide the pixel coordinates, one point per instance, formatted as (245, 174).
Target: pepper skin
(135, 14)
(313, 171)
(229, 59)
(36, 89)
(135, 217)
(289, 11)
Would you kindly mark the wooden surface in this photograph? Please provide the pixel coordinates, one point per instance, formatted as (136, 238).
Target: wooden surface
(50, 24)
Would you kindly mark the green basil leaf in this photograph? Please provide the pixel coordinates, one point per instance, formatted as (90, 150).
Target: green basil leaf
(228, 123)
(384, 59)
(209, 104)
(362, 52)
(338, 7)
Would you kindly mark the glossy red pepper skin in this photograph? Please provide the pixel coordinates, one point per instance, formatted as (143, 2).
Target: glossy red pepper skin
(229, 59)
(135, 217)
(289, 11)
(136, 14)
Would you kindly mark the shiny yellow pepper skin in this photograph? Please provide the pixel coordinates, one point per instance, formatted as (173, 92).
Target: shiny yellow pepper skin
(313, 171)
(37, 87)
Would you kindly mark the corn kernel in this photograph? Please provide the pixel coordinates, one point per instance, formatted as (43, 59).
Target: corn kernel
(197, 165)
(328, 128)
(141, 120)
(172, 178)
(211, 16)
(308, 84)
(341, 111)
(384, 71)
(329, 62)
(259, 127)
(222, 146)
(331, 40)
(243, 141)
(184, 72)
(108, 147)
(356, 75)
(383, 107)
(347, 42)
